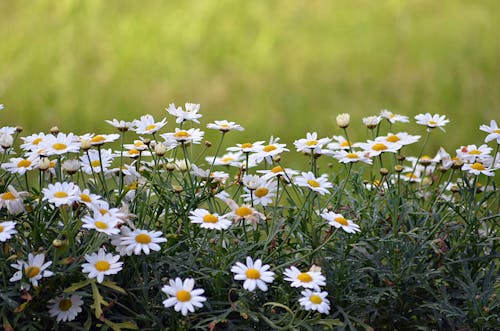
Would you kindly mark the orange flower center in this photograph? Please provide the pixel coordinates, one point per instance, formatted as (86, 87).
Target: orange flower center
(345, 143)
(269, 148)
(60, 194)
(8, 196)
(475, 152)
(313, 183)
(341, 220)
(393, 138)
(31, 271)
(37, 141)
(181, 134)
(59, 146)
(247, 145)
(102, 265)
(143, 238)
(243, 211)
(352, 156)
(261, 192)
(97, 139)
(101, 225)
(23, 164)
(478, 166)
(183, 295)
(85, 197)
(277, 169)
(379, 147)
(304, 277)
(311, 143)
(95, 163)
(253, 273)
(316, 299)
(151, 127)
(210, 218)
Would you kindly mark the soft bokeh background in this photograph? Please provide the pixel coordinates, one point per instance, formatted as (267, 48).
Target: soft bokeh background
(276, 67)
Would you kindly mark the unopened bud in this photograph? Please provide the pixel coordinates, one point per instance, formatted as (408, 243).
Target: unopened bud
(54, 130)
(6, 140)
(44, 163)
(398, 168)
(208, 143)
(277, 158)
(170, 166)
(401, 157)
(457, 164)
(160, 149)
(19, 129)
(384, 171)
(426, 181)
(86, 144)
(442, 169)
(146, 141)
(343, 120)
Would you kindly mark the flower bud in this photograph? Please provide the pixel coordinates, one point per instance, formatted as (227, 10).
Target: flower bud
(398, 168)
(384, 171)
(54, 130)
(160, 149)
(343, 120)
(44, 163)
(86, 144)
(371, 122)
(6, 140)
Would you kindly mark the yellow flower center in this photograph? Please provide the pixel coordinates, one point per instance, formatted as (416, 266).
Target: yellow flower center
(8, 196)
(37, 141)
(411, 175)
(247, 145)
(103, 211)
(227, 159)
(313, 183)
(23, 164)
(143, 238)
(181, 134)
(393, 138)
(102, 265)
(60, 194)
(85, 197)
(478, 166)
(352, 156)
(133, 151)
(31, 271)
(65, 304)
(431, 122)
(261, 192)
(59, 146)
(379, 147)
(95, 163)
(277, 169)
(341, 220)
(475, 152)
(183, 295)
(101, 225)
(311, 143)
(345, 143)
(210, 218)
(496, 131)
(253, 273)
(316, 299)
(150, 127)
(243, 211)
(139, 144)
(269, 148)
(97, 139)
(1, 229)
(304, 277)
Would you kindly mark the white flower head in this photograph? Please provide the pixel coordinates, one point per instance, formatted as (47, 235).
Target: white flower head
(60, 144)
(317, 184)
(33, 270)
(493, 131)
(375, 148)
(7, 229)
(20, 165)
(189, 114)
(311, 144)
(393, 118)
(61, 193)
(13, 200)
(101, 264)
(209, 220)
(339, 142)
(147, 125)
(344, 156)
(120, 124)
(315, 300)
(262, 193)
(183, 296)
(65, 309)
(432, 121)
(224, 126)
(180, 136)
(339, 221)
(371, 122)
(343, 120)
(254, 274)
(138, 241)
(309, 279)
(102, 223)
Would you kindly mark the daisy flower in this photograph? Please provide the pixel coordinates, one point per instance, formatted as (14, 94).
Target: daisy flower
(101, 264)
(492, 130)
(254, 274)
(142, 240)
(189, 114)
(402, 138)
(7, 229)
(246, 147)
(100, 139)
(262, 194)
(338, 221)
(33, 270)
(339, 143)
(478, 168)
(71, 166)
(61, 193)
(472, 153)
(375, 148)
(8, 130)
(102, 223)
(278, 171)
(273, 148)
(65, 309)
(393, 118)
(147, 125)
(224, 126)
(137, 145)
(180, 136)
(310, 144)
(182, 295)
(229, 159)
(432, 121)
(209, 220)
(315, 300)
(91, 162)
(121, 125)
(19, 165)
(309, 279)
(89, 199)
(371, 122)
(60, 144)
(32, 143)
(344, 156)
(243, 212)
(317, 184)
(13, 200)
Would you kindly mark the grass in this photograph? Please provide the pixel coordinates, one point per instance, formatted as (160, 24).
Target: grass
(284, 68)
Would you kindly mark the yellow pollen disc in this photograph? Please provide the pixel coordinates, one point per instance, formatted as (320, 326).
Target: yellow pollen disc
(253, 273)
(431, 122)
(139, 144)
(247, 145)
(376, 182)
(65, 304)
(261, 192)
(410, 175)
(277, 169)
(341, 220)
(210, 218)
(8, 196)
(143, 238)
(379, 147)
(392, 116)
(31, 271)
(151, 127)
(181, 134)
(393, 138)
(224, 126)
(311, 143)
(59, 146)
(97, 139)
(103, 211)
(23, 164)
(227, 159)
(37, 141)
(183, 295)
(101, 225)
(304, 277)
(269, 148)
(478, 166)
(313, 183)
(52, 164)
(496, 131)
(475, 152)
(425, 157)
(85, 198)
(95, 163)
(1, 229)
(352, 155)
(60, 194)
(243, 211)
(316, 299)
(133, 151)
(345, 143)
(102, 265)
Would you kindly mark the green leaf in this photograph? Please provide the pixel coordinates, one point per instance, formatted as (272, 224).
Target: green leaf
(98, 300)
(112, 285)
(76, 286)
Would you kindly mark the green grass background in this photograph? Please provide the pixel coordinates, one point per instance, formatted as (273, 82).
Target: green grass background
(276, 67)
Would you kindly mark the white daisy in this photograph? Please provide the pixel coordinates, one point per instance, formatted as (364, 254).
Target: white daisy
(432, 121)
(371, 122)
(189, 114)
(311, 144)
(393, 118)
(315, 300)
(102, 223)
(229, 159)
(6, 142)
(60, 144)
(338, 221)
(182, 295)
(209, 220)
(61, 193)
(493, 131)
(344, 156)
(100, 139)
(71, 166)
(7, 229)
(147, 125)
(262, 194)
(268, 151)
(13, 200)
(402, 138)
(472, 153)
(91, 162)
(120, 124)
(339, 143)
(246, 147)
(317, 184)
(33, 270)
(142, 240)
(65, 309)
(478, 168)
(278, 171)
(254, 274)
(20, 165)
(89, 199)
(180, 136)
(309, 279)
(243, 212)
(9, 130)
(375, 148)
(32, 143)
(224, 126)
(101, 264)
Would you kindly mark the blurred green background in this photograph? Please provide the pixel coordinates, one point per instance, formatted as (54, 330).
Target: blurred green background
(275, 67)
